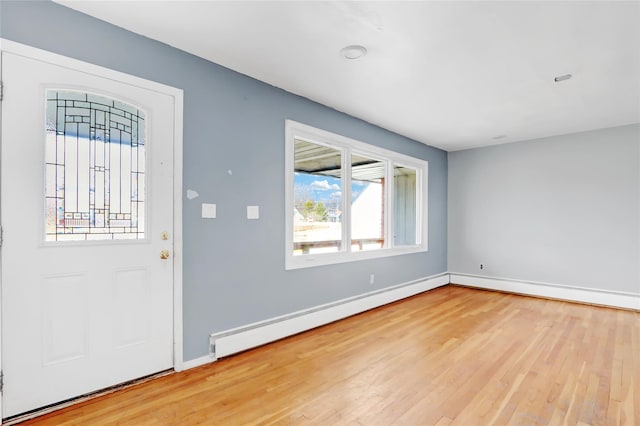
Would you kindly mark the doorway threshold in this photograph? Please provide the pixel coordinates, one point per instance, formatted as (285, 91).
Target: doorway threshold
(19, 418)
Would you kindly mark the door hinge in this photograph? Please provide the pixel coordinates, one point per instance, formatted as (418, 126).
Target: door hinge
(1, 91)
(1, 236)
(1, 381)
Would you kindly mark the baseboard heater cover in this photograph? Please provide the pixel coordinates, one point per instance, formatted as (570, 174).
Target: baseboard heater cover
(242, 338)
(555, 291)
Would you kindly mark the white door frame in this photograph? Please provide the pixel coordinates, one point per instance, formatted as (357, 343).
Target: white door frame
(177, 95)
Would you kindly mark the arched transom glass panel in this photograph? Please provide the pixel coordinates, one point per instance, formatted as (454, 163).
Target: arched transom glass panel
(95, 168)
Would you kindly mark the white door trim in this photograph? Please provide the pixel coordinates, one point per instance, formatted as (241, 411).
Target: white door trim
(177, 95)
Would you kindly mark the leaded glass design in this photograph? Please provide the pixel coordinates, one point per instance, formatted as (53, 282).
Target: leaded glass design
(95, 165)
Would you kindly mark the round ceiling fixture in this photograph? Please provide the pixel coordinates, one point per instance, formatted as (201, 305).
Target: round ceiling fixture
(353, 52)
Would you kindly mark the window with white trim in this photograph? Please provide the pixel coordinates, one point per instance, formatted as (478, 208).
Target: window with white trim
(347, 200)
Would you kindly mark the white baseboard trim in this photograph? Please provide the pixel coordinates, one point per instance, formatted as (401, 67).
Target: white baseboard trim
(246, 337)
(554, 291)
(197, 362)
(252, 335)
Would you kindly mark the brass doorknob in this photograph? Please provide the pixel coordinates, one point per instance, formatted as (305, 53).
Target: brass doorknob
(164, 254)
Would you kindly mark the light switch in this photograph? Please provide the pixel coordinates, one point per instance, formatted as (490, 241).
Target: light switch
(253, 212)
(208, 211)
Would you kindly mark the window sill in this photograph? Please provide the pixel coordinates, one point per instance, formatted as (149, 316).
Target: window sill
(324, 259)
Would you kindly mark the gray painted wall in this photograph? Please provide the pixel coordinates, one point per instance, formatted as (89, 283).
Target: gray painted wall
(561, 210)
(233, 268)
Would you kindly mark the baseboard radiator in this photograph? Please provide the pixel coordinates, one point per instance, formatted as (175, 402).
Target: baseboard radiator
(242, 338)
(615, 299)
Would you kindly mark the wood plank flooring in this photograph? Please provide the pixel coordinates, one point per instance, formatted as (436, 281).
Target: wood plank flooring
(451, 356)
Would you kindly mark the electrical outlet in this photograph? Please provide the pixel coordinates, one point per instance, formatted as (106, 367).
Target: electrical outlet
(372, 278)
(481, 266)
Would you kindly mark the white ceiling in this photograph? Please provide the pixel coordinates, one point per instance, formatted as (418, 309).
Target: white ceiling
(453, 75)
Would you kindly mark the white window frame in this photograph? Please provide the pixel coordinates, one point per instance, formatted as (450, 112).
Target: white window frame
(295, 130)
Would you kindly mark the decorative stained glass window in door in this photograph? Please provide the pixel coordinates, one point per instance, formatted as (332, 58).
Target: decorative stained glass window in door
(95, 166)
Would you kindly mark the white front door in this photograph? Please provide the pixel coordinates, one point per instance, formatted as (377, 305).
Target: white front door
(87, 220)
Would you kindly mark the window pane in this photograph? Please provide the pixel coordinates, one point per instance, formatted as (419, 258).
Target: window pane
(404, 190)
(94, 161)
(367, 203)
(317, 225)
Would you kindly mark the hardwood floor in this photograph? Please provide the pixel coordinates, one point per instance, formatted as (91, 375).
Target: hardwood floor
(451, 356)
